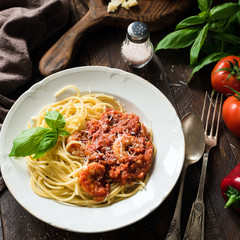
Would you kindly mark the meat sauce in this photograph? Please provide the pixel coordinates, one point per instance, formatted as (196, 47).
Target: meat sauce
(120, 144)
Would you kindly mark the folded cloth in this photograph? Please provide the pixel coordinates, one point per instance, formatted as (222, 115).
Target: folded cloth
(24, 26)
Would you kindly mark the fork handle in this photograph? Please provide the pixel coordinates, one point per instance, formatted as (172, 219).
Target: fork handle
(203, 176)
(196, 221)
(174, 231)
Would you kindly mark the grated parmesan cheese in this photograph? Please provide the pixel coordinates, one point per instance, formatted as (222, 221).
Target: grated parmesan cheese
(114, 4)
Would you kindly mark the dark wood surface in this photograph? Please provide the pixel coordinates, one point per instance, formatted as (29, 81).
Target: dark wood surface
(168, 71)
(157, 14)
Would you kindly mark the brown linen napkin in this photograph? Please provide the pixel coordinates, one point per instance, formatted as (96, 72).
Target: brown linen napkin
(24, 26)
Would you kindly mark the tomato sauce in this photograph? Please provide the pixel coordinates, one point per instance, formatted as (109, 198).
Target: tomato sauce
(120, 143)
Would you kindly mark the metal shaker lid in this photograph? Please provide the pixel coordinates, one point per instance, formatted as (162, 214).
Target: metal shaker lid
(138, 32)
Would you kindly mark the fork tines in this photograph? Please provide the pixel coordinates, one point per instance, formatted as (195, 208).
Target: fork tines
(215, 104)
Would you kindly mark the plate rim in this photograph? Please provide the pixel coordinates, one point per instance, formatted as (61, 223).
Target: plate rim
(37, 85)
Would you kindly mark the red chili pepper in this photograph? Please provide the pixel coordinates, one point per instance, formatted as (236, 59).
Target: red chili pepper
(230, 187)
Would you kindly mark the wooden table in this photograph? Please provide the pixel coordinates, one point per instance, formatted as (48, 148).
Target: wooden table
(168, 71)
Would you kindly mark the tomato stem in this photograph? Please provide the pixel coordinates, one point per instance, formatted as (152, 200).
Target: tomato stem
(237, 94)
(234, 69)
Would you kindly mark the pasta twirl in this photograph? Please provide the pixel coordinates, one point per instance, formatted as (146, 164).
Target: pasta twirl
(56, 174)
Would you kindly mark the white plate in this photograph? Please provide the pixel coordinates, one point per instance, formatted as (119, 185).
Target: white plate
(138, 96)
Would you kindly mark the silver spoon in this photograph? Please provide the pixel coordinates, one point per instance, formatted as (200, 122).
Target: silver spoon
(193, 131)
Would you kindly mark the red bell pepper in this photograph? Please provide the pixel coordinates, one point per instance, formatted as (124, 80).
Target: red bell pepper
(230, 188)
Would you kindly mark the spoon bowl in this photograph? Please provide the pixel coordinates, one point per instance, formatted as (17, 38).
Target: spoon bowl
(194, 137)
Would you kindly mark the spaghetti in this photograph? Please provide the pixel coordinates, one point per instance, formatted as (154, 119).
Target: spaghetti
(65, 172)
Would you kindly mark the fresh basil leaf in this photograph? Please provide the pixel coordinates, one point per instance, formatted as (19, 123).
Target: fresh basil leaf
(26, 143)
(238, 16)
(63, 132)
(227, 37)
(191, 21)
(196, 47)
(54, 119)
(47, 142)
(178, 39)
(223, 25)
(223, 11)
(234, 18)
(217, 26)
(204, 5)
(207, 60)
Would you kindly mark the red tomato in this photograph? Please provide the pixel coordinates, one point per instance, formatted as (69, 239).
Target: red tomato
(221, 79)
(231, 114)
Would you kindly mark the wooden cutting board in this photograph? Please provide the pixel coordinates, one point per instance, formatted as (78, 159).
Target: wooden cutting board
(157, 14)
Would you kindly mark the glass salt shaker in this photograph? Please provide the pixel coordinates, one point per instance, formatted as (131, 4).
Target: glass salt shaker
(137, 49)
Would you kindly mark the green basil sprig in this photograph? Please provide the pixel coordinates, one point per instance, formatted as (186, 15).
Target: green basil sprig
(39, 140)
(212, 34)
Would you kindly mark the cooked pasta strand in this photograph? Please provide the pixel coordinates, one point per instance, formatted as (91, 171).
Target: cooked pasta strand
(55, 175)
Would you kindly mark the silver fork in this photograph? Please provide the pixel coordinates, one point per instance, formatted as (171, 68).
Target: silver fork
(196, 221)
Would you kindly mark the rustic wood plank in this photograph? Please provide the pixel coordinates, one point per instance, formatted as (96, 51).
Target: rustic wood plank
(2, 183)
(168, 71)
(17, 222)
(222, 158)
(213, 231)
(1, 228)
(77, 10)
(157, 14)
